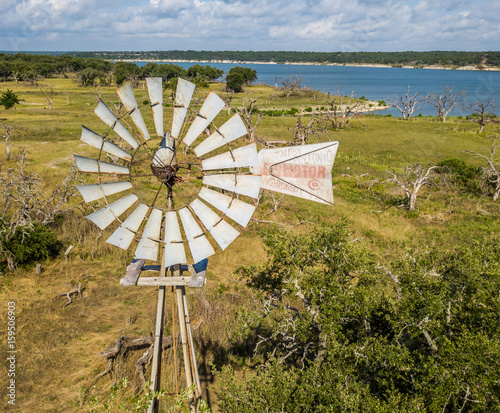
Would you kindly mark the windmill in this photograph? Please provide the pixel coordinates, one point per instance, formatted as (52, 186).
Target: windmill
(183, 194)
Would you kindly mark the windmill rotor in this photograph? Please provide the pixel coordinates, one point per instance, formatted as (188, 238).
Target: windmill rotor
(187, 183)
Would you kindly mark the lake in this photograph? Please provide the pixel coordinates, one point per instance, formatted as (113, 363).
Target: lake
(380, 83)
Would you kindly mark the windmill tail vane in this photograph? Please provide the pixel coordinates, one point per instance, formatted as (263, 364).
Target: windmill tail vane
(203, 180)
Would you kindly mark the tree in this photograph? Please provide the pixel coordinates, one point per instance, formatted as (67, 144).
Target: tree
(48, 94)
(491, 172)
(290, 84)
(168, 72)
(445, 102)
(247, 112)
(26, 212)
(412, 179)
(406, 104)
(9, 99)
(7, 136)
(239, 76)
(342, 111)
(482, 112)
(339, 333)
(204, 72)
(126, 71)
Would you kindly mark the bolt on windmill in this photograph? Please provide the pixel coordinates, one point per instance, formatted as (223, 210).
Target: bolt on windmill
(182, 195)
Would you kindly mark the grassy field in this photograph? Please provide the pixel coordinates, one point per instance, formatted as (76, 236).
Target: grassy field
(58, 347)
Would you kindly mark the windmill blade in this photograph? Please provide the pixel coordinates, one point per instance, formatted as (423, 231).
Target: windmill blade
(97, 141)
(155, 93)
(105, 216)
(183, 97)
(238, 158)
(198, 243)
(109, 118)
(126, 95)
(165, 155)
(248, 185)
(149, 243)
(237, 210)
(222, 232)
(233, 129)
(211, 107)
(125, 233)
(174, 247)
(92, 192)
(93, 166)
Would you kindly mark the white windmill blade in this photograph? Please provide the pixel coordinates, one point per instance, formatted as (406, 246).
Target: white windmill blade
(165, 155)
(248, 185)
(89, 165)
(237, 210)
(155, 93)
(211, 107)
(183, 96)
(109, 118)
(104, 217)
(237, 158)
(92, 192)
(150, 241)
(303, 171)
(125, 233)
(222, 232)
(97, 141)
(233, 129)
(126, 95)
(174, 247)
(198, 243)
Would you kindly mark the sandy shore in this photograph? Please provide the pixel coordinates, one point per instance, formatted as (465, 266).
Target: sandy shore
(434, 67)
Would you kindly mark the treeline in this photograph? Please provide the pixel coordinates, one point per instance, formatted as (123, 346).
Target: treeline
(449, 58)
(90, 71)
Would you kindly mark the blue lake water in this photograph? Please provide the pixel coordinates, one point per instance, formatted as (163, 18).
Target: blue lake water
(381, 83)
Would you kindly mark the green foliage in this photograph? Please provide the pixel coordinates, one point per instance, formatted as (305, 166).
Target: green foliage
(466, 177)
(344, 335)
(239, 76)
(29, 244)
(205, 72)
(9, 99)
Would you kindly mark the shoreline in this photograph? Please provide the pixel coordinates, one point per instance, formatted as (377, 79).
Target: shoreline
(428, 67)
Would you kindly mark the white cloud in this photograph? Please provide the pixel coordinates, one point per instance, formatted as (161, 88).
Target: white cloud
(327, 25)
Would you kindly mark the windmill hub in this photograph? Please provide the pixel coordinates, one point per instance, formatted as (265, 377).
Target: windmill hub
(166, 174)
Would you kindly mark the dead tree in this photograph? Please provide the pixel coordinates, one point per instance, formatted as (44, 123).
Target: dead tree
(406, 104)
(302, 132)
(247, 113)
(7, 136)
(411, 180)
(289, 85)
(445, 102)
(491, 172)
(48, 95)
(342, 109)
(481, 112)
(23, 203)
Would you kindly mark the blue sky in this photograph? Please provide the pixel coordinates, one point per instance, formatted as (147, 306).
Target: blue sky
(303, 25)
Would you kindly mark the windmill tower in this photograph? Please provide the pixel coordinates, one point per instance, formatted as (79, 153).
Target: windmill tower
(182, 195)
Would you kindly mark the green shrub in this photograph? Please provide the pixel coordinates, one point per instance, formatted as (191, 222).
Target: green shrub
(31, 244)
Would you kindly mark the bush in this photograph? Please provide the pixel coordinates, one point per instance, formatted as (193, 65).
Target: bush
(30, 244)
(462, 175)
(9, 99)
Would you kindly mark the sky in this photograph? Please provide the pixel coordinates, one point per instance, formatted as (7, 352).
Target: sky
(296, 25)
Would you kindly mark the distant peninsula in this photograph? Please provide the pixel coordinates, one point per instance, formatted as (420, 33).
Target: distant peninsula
(486, 60)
